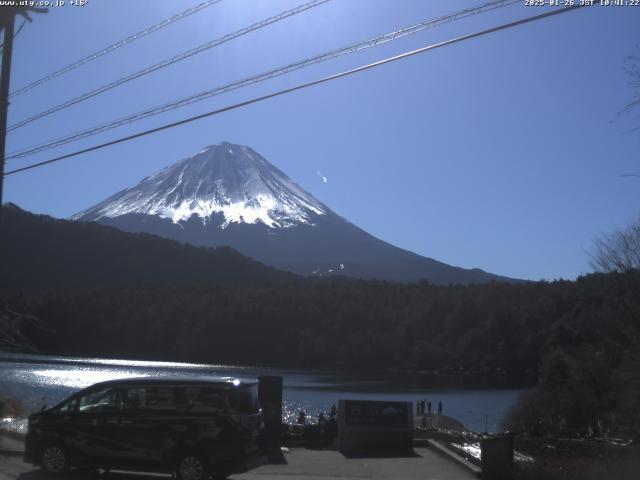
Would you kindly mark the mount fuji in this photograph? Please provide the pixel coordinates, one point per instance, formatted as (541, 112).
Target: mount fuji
(228, 194)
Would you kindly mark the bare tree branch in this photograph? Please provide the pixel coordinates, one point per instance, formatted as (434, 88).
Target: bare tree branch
(632, 69)
(618, 251)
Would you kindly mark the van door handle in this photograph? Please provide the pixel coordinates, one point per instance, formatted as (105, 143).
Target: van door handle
(126, 421)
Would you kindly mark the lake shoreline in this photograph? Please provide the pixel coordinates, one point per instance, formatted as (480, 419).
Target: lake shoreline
(454, 377)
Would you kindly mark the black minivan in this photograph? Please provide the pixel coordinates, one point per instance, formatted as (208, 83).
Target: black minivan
(196, 427)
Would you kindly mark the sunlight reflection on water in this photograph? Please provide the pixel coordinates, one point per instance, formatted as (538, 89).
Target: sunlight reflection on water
(38, 380)
(81, 377)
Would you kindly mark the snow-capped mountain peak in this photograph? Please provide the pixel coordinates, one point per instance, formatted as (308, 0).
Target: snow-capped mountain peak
(227, 179)
(229, 195)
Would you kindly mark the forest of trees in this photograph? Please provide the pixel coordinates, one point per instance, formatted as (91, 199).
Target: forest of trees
(339, 322)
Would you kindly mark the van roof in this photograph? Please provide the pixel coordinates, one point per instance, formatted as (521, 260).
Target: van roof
(227, 382)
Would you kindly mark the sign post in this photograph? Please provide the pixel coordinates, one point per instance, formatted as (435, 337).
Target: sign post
(367, 426)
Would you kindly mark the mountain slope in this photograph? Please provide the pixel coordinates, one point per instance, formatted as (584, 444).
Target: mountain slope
(37, 251)
(228, 194)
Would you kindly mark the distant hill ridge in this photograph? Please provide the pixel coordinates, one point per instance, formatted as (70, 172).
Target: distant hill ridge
(38, 251)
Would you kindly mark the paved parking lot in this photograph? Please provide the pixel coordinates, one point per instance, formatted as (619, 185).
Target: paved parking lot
(424, 464)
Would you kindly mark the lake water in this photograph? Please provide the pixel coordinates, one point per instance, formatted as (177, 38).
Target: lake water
(36, 379)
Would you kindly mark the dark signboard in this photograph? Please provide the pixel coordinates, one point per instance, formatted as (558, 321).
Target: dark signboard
(270, 397)
(365, 413)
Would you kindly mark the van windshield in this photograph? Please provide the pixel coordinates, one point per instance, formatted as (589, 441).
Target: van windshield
(66, 406)
(104, 400)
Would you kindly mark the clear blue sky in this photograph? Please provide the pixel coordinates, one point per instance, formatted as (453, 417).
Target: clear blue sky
(503, 152)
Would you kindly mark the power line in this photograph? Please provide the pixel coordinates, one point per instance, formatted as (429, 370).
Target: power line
(170, 61)
(372, 42)
(115, 46)
(299, 87)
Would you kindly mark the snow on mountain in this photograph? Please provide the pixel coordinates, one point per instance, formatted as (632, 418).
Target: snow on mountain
(227, 179)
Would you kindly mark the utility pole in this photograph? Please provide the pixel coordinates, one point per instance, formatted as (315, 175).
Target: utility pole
(7, 48)
(7, 19)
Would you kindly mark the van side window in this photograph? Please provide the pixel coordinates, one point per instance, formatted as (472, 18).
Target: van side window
(149, 399)
(245, 399)
(203, 399)
(105, 400)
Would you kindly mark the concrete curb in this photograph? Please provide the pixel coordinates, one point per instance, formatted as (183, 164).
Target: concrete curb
(439, 447)
(11, 453)
(13, 435)
(11, 444)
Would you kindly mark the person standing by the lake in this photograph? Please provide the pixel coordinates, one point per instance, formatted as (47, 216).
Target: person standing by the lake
(429, 407)
(322, 422)
(440, 407)
(302, 417)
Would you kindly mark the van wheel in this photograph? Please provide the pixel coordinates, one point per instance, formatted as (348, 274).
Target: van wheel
(191, 467)
(53, 459)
